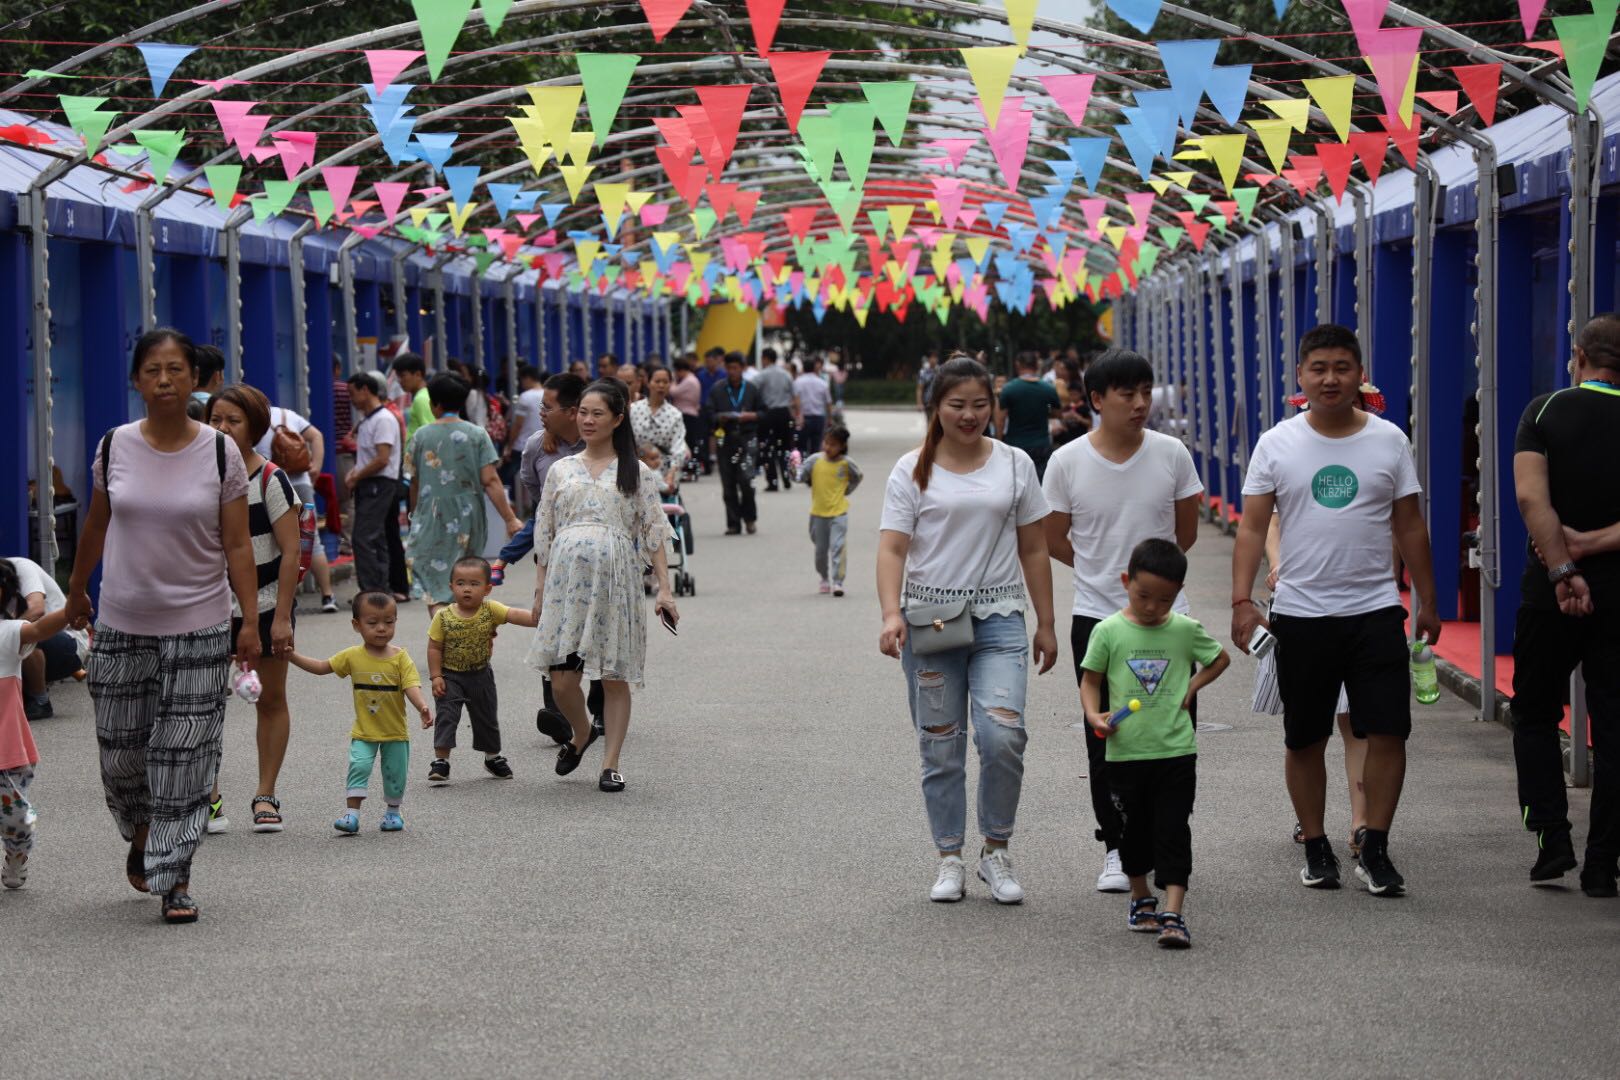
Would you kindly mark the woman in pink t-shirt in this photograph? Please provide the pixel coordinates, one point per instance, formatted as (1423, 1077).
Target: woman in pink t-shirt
(170, 509)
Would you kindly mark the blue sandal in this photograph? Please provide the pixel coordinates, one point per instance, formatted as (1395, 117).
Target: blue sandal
(1144, 915)
(1173, 931)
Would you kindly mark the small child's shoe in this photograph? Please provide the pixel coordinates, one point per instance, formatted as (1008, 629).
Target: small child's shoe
(838, 589)
(497, 573)
(348, 823)
(14, 875)
(1144, 915)
(826, 586)
(391, 821)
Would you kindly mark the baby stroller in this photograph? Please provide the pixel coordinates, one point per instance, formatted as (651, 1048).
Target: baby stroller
(680, 527)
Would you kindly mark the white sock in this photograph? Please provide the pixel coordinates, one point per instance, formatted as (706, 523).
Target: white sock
(491, 755)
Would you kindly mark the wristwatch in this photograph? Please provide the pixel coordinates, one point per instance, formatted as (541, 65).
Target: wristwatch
(1562, 573)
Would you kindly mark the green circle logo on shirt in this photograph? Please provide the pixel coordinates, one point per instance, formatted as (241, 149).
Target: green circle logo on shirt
(1335, 487)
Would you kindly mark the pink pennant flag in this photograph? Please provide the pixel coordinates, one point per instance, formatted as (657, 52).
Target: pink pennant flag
(966, 216)
(297, 150)
(1094, 209)
(368, 231)
(955, 149)
(264, 153)
(1530, 14)
(1366, 16)
(948, 192)
(1009, 140)
(1072, 94)
(1393, 53)
(1141, 204)
(654, 214)
(386, 64)
(390, 195)
(509, 245)
(340, 182)
(216, 85)
(526, 221)
(240, 129)
(547, 239)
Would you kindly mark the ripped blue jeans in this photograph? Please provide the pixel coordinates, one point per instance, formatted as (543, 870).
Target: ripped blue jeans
(984, 682)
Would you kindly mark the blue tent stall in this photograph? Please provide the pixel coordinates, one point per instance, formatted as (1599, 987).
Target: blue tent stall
(291, 333)
(1403, 268)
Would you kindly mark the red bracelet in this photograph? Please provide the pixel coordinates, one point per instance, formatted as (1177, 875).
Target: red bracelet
(1239, 603)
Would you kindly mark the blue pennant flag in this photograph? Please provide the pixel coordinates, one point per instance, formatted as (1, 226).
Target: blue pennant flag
(462, 180)
(1281, 6)
(525, 200)
(1141, 14)
(1064, 169)
(552, 210)
(1154, 115)
(434, 147)
(1058, 242)
(1137, 144)
(1188, 64)
(1023, 237)
(993, 213)
(161, 60)
(818, 309)
(1228, 88)
(396, 139)
(503, 196)
(1091, 154)
(1047, 207)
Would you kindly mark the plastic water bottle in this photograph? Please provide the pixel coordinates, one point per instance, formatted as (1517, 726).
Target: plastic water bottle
(1425, 680)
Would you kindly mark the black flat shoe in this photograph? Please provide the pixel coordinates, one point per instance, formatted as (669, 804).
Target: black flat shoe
(568, 758)
(553, 725)
(611, 780)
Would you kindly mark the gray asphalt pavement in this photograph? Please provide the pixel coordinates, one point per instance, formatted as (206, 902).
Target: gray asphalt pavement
(756, 903)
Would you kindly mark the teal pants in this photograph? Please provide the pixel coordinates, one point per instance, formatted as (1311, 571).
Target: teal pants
(396, 760)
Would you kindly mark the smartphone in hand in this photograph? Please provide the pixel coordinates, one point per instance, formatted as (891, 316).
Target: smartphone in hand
(669, 624)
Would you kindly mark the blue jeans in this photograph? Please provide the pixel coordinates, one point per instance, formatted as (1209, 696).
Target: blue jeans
(984, 682)
(520, 545)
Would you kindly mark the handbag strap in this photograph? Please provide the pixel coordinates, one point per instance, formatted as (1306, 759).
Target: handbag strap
(1012, 463)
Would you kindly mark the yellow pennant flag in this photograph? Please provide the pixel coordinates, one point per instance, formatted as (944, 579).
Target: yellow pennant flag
(1116, 236)
(1181, 179)
(1296, 111)
(1227, 152)
(958, 290)
(932, 206)
(1334, 97)
(577, 146)
(637, 199)
(900, 219)
(977, 246)
(1160, 186)
(532, 137)
(587, 251)
(942, 254)
(556, 107)
(1274, 136)
(1021, 20)
(991, 67)
(861, 312)
(419, 214)
(459, 216)
(612, 197)
(574, 176)
(668, 242)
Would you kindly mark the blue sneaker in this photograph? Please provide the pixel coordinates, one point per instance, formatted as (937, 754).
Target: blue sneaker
(391, 821)
(348, 823)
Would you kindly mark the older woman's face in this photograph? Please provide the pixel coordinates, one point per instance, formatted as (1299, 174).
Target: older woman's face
(165, 377)
(659, 383)
(227, 418)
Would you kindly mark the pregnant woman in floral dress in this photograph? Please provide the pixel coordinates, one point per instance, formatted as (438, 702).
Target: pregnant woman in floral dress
(600, 521)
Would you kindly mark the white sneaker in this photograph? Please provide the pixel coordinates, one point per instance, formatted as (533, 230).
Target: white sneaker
(995, 870)
(217, 821)
(1112, 878)
(951, 885)
(14, 875)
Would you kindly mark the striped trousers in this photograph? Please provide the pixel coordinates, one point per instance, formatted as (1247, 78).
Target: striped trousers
(160, 714)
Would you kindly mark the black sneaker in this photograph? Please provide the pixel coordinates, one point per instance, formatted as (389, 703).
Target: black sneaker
(39, 708)
(597, 730)
(1378, 873)
(1556, 856)
(1598, 885)
(497, 767)
(439, 771)
(1321, 865)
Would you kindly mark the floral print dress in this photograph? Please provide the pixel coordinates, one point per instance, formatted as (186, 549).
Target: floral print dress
(448, 459)
(593, 541)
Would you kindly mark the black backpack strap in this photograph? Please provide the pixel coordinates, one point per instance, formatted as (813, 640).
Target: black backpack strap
(219, 454)
(106, 464)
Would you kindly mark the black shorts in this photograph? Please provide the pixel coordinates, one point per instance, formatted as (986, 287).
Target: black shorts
(1366, 654)
(574, 662)
(61, 653)
(265, 619)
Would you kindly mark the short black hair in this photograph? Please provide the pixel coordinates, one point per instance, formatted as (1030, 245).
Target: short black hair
(1117, 369)
(768, 354)
(362, 380)
(1161, 558)
(1600, 341)
(407, 363)
(841, 433)
(1027, 361)
(449, 392)
(1329, 336)
(370, 598)
(153, 338)
(472, 560)
(714, 351)
(210, 362)
(736, 358)
(569, 387)
(607, 358)
(530, 372)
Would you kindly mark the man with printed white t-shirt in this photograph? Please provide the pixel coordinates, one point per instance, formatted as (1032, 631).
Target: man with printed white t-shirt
(58, 657)
(1341, 480)
(304, 487)
(1109, 490)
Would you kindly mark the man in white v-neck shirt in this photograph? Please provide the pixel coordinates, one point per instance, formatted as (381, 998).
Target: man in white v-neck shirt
(1342, 481)
(1109, 490)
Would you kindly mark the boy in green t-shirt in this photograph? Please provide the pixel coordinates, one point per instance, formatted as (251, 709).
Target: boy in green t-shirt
(1146, 654)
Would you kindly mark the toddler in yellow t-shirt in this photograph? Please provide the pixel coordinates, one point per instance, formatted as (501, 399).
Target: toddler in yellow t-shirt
(460, 640)
(384, 679)
(832, 478)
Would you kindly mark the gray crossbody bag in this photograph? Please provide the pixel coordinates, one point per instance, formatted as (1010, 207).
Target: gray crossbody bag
(939, 627)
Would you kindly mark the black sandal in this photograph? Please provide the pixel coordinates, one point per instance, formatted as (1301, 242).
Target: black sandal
(266, 820)
(1173, 931)
(135, 867)
(611, 780)
(568, 758)
(179, 907)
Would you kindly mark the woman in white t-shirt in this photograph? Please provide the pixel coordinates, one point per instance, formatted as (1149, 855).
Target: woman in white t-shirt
(962, 522)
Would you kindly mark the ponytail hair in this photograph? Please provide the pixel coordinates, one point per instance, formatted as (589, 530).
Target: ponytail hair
(11, 598)
(613, 394)
(959, 369)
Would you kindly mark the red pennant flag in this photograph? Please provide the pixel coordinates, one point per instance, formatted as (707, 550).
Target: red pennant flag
(1481, 83)
(744, 202)
(677, 133)
(1445, 101)
(1263, 179)
(1405, 136)
(724, 105)
(25, 135)
(1337, 160)
(796, 74)
(1370, 147)
(720, 196)
(764, 16)
(685, 175)
(662, 15)
(799, 219)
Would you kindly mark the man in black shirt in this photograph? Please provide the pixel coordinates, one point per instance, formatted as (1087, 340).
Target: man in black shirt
(1569, 495)
(733, 409)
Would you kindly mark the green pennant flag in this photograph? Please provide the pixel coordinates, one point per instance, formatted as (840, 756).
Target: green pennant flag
(279, 193)
(321, 201)
(162, 147)
(223, 179)
(84, 117)
(892, 102)
(1197, 202)
(606, 77)
(438, 220)
(703, 219)
(1585, 39)
(495, 13)
(880, 222)
(856, 138)
(1171, 235)
(38, 73)
(1148, 258)
(1246, 197)
(261, 208)
(440, 22)
(484, 259)
(1219, 221)
(820, 135)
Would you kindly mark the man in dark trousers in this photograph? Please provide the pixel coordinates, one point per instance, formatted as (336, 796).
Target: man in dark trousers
(1569, 496)
(781, 401)
(733, 408)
